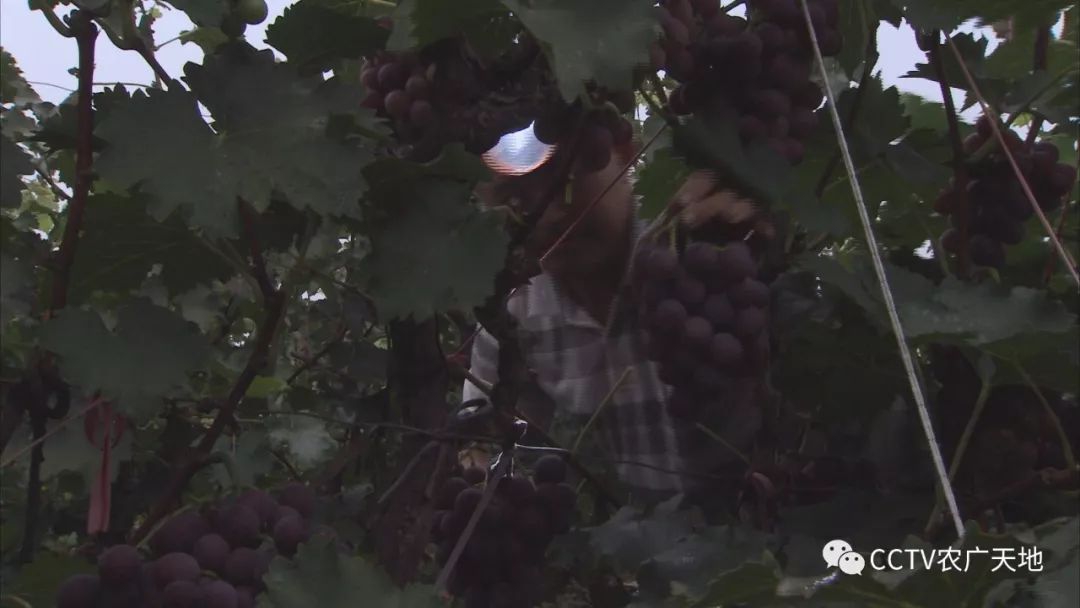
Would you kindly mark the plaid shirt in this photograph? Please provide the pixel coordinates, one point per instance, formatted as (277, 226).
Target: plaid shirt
(576, 365)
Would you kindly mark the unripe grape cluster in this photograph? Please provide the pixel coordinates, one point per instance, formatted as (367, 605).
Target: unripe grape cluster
(604, 127)
(500, 566)
(996, 203)
(760, 67)
(705, 314)
(210, 559)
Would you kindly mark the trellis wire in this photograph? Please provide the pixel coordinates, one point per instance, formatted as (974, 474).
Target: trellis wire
(883, 283)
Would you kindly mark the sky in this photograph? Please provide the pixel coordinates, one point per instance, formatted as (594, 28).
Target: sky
(45, 57)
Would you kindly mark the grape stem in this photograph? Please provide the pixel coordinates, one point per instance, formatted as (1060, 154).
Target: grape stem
(1070, 264)
(961, 448)
(1066, 447)
(599, 409)
(720, 440)
(960, 176)
(466, 534)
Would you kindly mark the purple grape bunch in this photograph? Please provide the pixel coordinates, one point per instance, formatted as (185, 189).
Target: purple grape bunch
(705, 315)
(760, 66)
(210, 559)
(501, 565)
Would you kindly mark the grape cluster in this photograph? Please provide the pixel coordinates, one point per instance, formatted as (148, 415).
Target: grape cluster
(705, 314)
(399, 87)
(759, 67)
(500, 565)
(604, 126)
(212, 559)
(996, 203)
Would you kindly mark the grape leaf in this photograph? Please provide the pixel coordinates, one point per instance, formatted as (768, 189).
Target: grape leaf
(13, 87)
(694, 561)
(13, 163)
(629, 537)
(436, 253)
(251, 458)
(37, 582)
(934, 14)
(315, 36)
(601, 40)
(320, 576)
(658, 181)
(306, 438)
(121, 244)
(418, 23)
(149, 354)
(753, 581)
(203, 12)
(271, 140)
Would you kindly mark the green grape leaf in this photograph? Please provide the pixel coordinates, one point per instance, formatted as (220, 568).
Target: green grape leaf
(601, 40)
(148, 354)
(881, 118)
(419, 23)
(753, 581)
(120, 245)
(36, 583)
(315, 36)
(658, 181)
(436, 253)
(209, 13)
(13, 87)
(251, 458)
(320, 576)
(934, 14)
(271, 140)
(13, 163)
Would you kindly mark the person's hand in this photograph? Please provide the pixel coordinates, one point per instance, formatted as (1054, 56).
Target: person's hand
(700, 201)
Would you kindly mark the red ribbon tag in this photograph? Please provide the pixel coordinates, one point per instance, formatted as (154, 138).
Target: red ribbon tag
(103, 429)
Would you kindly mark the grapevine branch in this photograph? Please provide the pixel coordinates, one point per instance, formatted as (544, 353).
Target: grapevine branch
(85, 33)
(275, 305)
(959, 170)
(466, 534)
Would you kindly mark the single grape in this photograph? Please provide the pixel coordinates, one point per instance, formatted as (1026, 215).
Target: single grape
(549, 469)
(771, 102)
(726, 350)
(518, 489)
(219, 594)
(475, 475)
(181, 594)
(717, 310)
(79, 591)
(690, 291)
(697, 332)
(284, 511)
(299, 497)
(1062, 179)
(421, 113)
(736, 263)
(211, 551)
(242, 566)
(245, 596)
(397, 103)
(369, 77)
(749, 292)
(288, 534)
(751, 128)
(700, 258)
(749, 321)
(417, 87)
(262, 503)
(392, 76)
(119, 565)
(179, 533)
(468, 500)
(670, 315)
(175, 567)
(449, 492)
(239, 525)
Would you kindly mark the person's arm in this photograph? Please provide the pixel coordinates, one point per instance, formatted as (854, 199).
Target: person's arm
(532, 401)
(484, 365)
